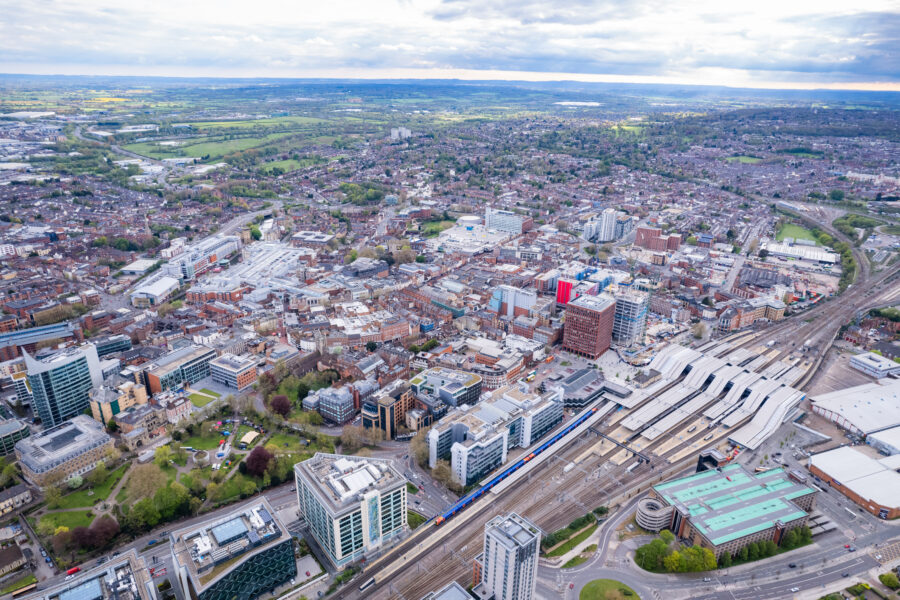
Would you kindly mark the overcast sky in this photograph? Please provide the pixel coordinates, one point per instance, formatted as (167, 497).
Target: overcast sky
(760, 43)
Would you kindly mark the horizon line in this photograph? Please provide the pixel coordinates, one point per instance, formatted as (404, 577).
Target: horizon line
(483, 76)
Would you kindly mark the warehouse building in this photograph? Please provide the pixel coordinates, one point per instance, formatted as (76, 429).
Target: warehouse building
(242, 554)
(863, 409)
(352, 505)
(874, 484)
(727, 508)
(154, 293)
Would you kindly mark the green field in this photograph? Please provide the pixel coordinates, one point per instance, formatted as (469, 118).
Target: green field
(290, 164)
(202, 443)
(749, 160)
(71, 519)
(214, 148)
(19, 584)
(433, 228)
(81, 499)
(200, 400)
(794, 231)
(570, 545)
(890, 229)
(606, 589)
(209, 392)
(414, 519)
(252, 123)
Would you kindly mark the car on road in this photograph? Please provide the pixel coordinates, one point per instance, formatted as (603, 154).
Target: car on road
(846, 545)
(851, 549)
(795, 589)
(793, 565)
(571, 586)
(845, 574)
(707, 579)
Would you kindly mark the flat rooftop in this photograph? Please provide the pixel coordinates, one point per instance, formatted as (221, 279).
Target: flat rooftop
(870, 407)
(595, 303)
(512, 531)
(340, 481)
(211, 549)
(60, 443)
(125, 577)
(230, 362)
(870, 478)
(173, 360)
(732, 503)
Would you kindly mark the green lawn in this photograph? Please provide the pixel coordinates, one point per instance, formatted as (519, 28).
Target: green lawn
(749, 160)
(19, 584)
(209, 392)
(574, 562)
(290, 164)
(81, 498)
(794, 231)
(606, 589)
(287, 443)
(890, 229)
(200, 400)
(213, 148)
(574, 541)
(414, 519)
(411, 489)
(202, 443)
(433, 228)
(71, 519)
(251, 123)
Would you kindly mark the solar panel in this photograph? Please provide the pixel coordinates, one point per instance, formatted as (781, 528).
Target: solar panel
(228, 531)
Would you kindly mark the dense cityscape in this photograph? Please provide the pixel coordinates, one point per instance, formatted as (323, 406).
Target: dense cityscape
(447, 340)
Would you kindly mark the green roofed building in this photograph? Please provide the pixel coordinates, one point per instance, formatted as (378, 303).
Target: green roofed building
(727, 508)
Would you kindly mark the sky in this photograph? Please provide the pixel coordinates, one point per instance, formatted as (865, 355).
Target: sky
(759, 43)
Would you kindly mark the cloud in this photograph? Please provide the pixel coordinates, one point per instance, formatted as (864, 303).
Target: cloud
(697, 41)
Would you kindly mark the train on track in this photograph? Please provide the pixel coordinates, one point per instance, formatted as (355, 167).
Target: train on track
(464, 502)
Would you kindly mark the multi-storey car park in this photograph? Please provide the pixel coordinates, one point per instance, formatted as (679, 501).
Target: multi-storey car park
(725, 509)
(241, 554)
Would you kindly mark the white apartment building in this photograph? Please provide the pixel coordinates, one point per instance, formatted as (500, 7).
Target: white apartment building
(510, 559)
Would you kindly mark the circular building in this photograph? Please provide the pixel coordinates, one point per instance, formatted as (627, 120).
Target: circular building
(652, 515)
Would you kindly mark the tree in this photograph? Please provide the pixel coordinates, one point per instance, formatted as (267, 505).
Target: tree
(790, 539)
(255, 233)
(763, 253)
(443, 473)
(889, 580)
(667, 536)
(143, 515)
(98, 475)
(725, 560)
(753, 550)
(112, 426)
(650, 556)
(144, 481)
(162, 456)
(353, 437)
(836, 195)
(280, 405)
(675, 562)
(52, 495)
(744, 553)
(258, 461)
(45, 528)
(75, 481)
(699, 331)
(418, 447)
(371, 346)
(771, 549)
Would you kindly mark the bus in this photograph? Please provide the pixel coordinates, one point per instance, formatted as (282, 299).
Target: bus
(531, 376)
